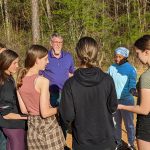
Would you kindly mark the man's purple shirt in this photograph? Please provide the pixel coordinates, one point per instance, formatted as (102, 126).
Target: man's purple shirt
(58, 69)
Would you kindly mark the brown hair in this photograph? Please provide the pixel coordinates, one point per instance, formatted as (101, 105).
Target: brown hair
(143, 43)
(6, 59)
(34, 52)
(2, 46)
(87, 51)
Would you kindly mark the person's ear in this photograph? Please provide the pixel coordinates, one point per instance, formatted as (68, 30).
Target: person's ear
(37, 61)
(50, 42)
(147, 52)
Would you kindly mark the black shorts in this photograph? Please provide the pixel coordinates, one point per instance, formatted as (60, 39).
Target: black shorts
(143, 128)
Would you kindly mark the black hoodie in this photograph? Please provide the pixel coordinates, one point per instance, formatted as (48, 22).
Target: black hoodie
(88, 101)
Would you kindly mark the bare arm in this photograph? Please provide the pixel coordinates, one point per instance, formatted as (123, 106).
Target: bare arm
(17, 116)
(14, 116)
(45, 108)
(21, 104)
(143, 108)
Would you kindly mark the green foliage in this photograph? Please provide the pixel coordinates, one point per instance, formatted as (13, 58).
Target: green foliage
(112, 23)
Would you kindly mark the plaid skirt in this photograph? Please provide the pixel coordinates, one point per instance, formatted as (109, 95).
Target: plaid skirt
(44, 134)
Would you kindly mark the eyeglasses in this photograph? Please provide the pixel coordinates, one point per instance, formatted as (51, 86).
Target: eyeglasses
(57, 42)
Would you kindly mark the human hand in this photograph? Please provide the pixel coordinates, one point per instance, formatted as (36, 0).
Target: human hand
(134, 92)
(120, 106)
(14, 116)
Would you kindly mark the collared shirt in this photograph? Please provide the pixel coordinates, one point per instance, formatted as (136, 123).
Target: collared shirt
(58, 69)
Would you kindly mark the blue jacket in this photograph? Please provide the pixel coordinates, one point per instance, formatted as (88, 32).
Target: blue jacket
(124, 77)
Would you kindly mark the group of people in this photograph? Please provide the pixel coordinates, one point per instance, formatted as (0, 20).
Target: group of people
(49, 96)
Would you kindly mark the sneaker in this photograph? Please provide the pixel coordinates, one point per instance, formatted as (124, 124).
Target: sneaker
(131, 147)
(119, 147)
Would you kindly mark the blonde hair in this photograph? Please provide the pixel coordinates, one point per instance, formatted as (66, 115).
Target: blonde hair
(87, 51)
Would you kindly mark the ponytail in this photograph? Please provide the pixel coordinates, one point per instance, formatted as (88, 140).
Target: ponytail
(21, 74)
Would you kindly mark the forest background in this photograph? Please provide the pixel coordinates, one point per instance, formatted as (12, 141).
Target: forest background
(112, 23)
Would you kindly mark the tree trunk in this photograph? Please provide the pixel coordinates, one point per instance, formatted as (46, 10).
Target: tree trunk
(2, 10)
(139, 15)
(144, 14)
(128, 21)
(116, 13)
(35, 22)
(49, 14)
(7, 23)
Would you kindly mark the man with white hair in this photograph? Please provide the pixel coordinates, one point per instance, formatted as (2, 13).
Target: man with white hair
(57, 71)
(124, 76)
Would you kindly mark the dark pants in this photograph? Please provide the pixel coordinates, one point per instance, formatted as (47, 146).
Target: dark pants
(2, 141)
(128, 118)
(15, 139)
(55, 99)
